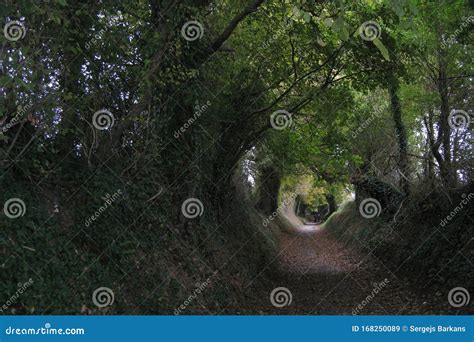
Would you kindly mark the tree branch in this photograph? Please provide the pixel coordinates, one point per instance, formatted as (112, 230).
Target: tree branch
(220, 40)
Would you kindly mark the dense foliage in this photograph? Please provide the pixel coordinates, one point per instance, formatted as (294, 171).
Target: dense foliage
(256, 100)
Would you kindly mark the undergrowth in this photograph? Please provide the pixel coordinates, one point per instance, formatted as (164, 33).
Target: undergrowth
(416, 241)
(152, 260)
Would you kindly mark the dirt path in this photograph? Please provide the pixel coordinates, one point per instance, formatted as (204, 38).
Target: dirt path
(324, 277)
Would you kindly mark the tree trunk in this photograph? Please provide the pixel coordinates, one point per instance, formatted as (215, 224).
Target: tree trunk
(444, 129)
(268, 191)
(332, 205)
(430, 143)
(402, 161)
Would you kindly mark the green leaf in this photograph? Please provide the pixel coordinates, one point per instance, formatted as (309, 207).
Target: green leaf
(340, 27)
(412, 6)
(296, 11)
(307, 17)
(328, 22)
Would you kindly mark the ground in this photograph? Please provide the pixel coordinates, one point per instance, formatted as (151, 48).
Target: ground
(326, 277)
